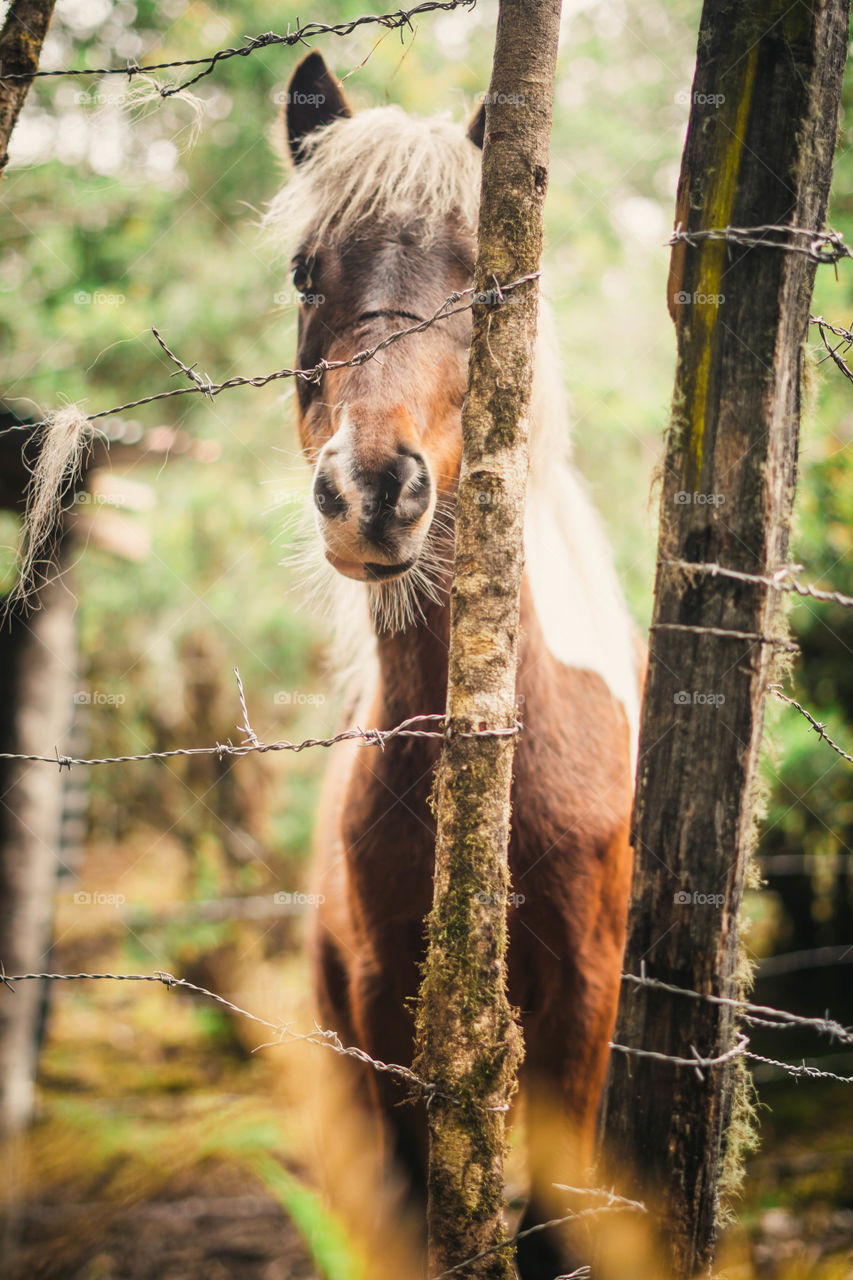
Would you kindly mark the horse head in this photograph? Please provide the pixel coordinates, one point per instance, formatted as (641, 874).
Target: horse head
(381, 210)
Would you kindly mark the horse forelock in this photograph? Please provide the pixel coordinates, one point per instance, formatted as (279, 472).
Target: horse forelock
(379, 166)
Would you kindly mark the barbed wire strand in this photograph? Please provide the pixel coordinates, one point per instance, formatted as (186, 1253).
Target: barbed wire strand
(370, 737)
(818, 726)
(399, 19)
(284, 1033)
(614, 1204)
(210, 389)
(780, 580)
(726, 633)
(697, 1062)
(779, 1018)
(822, 246)
(811, 1073)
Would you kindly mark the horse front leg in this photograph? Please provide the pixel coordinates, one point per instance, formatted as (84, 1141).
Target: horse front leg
(563, 1078)
(386, 1030)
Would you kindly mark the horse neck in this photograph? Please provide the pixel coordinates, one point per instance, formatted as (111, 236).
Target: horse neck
(413, 663)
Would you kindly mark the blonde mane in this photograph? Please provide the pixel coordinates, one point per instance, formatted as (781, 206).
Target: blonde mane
(381, 165)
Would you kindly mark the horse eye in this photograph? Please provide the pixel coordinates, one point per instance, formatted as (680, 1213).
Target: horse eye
(301, 268)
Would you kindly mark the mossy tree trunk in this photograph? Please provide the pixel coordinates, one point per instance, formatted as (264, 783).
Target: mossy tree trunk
(759, 150)
(20, 46)
(469, 1043)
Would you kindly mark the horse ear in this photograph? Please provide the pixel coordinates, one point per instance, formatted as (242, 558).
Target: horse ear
(314, 98)
(477, 126)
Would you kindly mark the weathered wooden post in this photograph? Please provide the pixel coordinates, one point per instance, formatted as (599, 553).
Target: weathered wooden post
(469, 1044)
(759, 154)
(21, 40)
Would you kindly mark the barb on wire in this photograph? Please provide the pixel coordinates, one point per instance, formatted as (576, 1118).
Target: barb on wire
(613, 1203)
(811, 1073)
(817, 725)
(399, 19)
(820, 246)
(834, 352)
(764, 1015)
(838, 330)
(697, 1062)
(202, 381)
(780, 580)
(726, 633)
(211, 389)
(247, 729)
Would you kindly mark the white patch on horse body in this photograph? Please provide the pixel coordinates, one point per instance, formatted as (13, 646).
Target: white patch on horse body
(569, 564)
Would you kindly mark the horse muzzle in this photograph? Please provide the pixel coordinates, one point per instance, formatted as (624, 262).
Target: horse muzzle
(373, 520)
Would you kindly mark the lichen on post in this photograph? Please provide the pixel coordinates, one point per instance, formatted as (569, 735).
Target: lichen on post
(468, 1040)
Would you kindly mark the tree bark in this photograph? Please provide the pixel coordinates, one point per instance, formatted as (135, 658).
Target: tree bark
(469, 1043)
(759, 151)
(20, 46)
(37, 660)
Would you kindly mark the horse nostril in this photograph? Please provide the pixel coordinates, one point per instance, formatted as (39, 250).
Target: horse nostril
(415, 491)
(328, 499)
(395, 497)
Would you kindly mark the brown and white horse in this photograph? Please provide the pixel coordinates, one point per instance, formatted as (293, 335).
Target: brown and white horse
(380, 214)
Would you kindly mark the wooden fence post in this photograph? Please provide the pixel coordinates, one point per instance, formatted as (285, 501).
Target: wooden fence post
(20, 46)
(468, 1041)
(759, 151)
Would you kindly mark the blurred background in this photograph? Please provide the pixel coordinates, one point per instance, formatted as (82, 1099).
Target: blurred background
(163, 1145)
